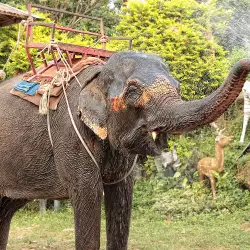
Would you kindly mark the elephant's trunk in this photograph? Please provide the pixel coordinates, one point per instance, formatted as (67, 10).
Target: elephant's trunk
(187, 115)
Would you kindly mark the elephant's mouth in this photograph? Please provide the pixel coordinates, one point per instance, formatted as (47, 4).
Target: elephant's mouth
(156, 132)
(160, 138)
(146, 142)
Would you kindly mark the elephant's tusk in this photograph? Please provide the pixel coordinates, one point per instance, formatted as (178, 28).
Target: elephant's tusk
(154, 135)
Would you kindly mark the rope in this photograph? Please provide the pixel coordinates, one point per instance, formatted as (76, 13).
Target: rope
(77, 131)
(64, 76)
(125, 176)
(44, 102)
(58, 80)
(104, 38)
(19, 35)
(49, 129)
(67, 66)
(40, 52)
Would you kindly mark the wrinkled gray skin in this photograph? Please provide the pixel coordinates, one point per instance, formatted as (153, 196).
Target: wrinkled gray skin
(131, 96)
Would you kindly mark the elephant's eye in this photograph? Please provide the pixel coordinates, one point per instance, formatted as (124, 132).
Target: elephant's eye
(132, 94)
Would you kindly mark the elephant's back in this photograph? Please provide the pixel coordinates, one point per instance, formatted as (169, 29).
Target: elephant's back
(21, 126)
(27, 165)
(10, 82)
(6, 97)
(16, 112)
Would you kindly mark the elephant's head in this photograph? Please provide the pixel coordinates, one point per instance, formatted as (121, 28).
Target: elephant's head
(134, 95)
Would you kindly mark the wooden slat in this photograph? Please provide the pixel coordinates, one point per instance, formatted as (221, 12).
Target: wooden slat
(75, 48)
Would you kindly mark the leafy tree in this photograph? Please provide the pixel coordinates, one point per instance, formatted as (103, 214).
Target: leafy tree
(106, 9)
(8, 34)
(19, 62)
(177, 31)
(110, 17)
(80, 6)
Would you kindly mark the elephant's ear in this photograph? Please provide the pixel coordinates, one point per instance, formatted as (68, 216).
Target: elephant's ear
(92, 109)
(89, 74)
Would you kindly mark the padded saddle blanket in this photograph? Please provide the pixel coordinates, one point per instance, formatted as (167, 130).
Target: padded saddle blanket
(33, 90)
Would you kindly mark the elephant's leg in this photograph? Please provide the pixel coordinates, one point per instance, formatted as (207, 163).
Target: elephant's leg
(87, 213)
(118, 204)
(7, 209)
(245, 121)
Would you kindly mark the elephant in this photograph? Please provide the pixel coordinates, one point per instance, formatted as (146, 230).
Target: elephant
(118, 107)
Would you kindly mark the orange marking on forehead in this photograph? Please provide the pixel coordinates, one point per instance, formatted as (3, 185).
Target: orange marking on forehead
(117, 104)
(155, 90)
(143, 100)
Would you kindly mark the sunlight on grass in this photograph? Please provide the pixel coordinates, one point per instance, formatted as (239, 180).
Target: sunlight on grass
(30, 230)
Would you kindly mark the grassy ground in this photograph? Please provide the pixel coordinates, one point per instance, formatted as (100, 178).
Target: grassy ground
(31, 231)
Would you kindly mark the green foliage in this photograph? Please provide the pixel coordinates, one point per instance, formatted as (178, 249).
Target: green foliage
(178, 204)
(19, 62)
(110, 19)
(8, 35)
(176, 30)
(238, 53)
(243, 160)
(182, 195)
(144, 194)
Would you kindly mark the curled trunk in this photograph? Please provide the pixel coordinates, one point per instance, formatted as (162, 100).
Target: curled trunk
(187, 115)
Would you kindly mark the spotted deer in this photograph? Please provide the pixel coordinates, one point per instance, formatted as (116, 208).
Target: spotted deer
(207, 165)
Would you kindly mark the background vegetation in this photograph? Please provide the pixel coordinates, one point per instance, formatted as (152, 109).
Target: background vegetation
(200, 41)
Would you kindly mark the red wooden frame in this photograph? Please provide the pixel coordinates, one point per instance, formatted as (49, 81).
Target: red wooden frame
(70, 50)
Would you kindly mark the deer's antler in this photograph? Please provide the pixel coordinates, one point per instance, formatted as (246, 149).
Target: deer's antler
(218, 130)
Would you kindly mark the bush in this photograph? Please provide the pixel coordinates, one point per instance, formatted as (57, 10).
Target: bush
(19, 62)
(177, 203)
(177, 31)
(180, 196)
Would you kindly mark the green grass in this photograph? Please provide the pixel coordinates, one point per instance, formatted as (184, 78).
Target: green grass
(30, 230)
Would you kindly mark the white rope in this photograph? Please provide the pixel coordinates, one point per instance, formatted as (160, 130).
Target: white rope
(77, 131)
(101, 38)
(49, 129)
(125, 176)
(67, 66)
(44, 101)
(19, 35)
(40, 52)
(66, 78)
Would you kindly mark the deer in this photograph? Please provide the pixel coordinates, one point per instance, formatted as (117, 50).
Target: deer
(207, 165)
